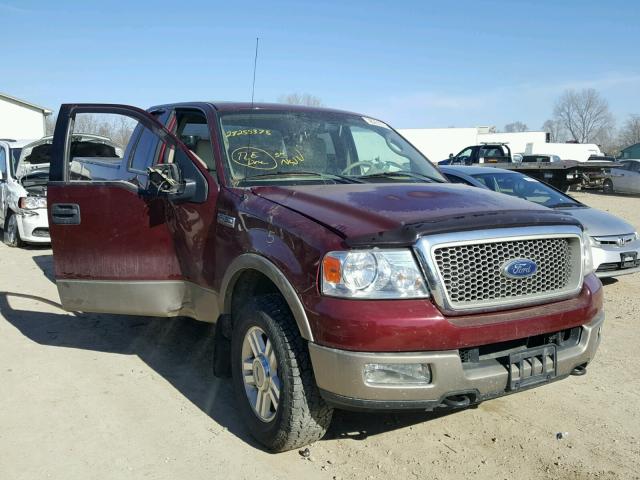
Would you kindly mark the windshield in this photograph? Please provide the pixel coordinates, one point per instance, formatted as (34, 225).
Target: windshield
(272, 147)
(526, 188)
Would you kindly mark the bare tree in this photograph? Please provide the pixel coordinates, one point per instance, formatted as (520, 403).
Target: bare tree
(517, 126)
(630, 131)
(584, 114)
(118, 128)
(301, 99)
(555, 131)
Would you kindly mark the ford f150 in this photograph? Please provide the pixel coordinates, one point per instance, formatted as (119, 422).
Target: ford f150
(338, 265)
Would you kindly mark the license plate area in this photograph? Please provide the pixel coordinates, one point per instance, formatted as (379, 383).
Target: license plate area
(532, 366)
(628, 259)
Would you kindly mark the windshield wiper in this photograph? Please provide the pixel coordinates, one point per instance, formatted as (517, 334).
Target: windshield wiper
(302, 173)
(406, 173)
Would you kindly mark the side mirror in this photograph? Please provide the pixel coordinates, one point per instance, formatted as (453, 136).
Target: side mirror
(451, 155)
(165, 180)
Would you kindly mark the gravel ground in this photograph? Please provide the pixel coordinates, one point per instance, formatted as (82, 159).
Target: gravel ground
(101, 396)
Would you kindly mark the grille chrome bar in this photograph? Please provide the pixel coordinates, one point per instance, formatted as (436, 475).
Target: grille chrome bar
(464, 269)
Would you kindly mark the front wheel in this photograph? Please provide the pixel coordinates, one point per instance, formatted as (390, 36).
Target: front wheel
(11, 232)
(272, 377)
(607, 186)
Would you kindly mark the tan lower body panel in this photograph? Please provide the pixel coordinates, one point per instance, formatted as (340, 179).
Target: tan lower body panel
(162, 298)
(340, 372)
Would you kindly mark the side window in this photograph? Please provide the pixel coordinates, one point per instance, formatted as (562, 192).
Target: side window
(193, 130)
(144, 151)
(465, 153)
(3, 163)
(111, 147)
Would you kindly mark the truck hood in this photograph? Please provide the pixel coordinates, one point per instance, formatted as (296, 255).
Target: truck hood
(356, 210)
(598, 223)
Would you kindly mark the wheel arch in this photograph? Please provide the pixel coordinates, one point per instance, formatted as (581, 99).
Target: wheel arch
(253, 264)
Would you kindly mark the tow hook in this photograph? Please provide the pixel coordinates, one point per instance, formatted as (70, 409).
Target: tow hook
(457, 401)
(579, 370)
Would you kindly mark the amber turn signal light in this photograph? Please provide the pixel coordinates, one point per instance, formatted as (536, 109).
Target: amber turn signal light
(331, 269)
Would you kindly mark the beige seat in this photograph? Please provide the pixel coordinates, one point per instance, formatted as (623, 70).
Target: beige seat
(204, 151)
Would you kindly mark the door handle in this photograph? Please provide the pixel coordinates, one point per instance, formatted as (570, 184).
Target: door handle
(65, 214)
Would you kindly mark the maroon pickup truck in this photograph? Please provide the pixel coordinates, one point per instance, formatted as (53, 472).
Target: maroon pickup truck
(339, 267)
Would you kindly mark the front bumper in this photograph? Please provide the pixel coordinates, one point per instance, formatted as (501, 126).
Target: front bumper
(339, 374)
(33, 226)
(607, 260)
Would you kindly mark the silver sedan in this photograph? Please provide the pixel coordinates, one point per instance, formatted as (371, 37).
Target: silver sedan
(615, 244)
(625, 179)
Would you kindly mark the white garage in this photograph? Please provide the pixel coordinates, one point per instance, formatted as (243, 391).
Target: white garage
(20, 119)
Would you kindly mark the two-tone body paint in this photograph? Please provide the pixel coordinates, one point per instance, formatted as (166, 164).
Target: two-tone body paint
(292, 228)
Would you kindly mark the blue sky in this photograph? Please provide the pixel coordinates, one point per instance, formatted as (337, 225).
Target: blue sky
(413, 63)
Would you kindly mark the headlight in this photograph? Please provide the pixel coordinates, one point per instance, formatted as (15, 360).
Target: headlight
(587, 258)
(372, 274)
(31, 203)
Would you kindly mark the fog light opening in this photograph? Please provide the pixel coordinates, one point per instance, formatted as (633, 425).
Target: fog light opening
(397, 374)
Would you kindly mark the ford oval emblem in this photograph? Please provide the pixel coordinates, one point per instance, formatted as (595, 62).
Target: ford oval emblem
(519, 268)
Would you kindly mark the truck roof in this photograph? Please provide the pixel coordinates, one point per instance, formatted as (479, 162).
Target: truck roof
(223, 106)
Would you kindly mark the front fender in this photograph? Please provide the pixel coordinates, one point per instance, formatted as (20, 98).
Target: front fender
(14, 192)
(252, 261)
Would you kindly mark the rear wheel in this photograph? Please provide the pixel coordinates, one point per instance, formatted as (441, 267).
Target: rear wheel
(273, 379)
(607, 186)
(11, 232)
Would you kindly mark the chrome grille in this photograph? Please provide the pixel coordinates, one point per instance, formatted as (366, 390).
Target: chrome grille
(473, 273)
(467, 274)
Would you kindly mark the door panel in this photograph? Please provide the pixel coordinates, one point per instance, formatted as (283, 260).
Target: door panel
(122, 255)
(634, 182)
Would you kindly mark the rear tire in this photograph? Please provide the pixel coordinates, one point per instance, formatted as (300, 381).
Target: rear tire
(11, 232)
(295, 415)
(607, 186)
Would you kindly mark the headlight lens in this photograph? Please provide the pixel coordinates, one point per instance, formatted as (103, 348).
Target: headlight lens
(374, 274)
(587, 258)
(31, 203)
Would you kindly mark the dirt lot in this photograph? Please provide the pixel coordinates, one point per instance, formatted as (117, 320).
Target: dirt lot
(99, 396)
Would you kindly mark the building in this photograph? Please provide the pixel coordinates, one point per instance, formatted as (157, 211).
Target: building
(632, 151)
(20, 119)
(438, 143)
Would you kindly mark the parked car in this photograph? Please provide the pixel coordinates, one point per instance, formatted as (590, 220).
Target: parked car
(615, 244)
(339, 266)
(23, 203)
(625, 179)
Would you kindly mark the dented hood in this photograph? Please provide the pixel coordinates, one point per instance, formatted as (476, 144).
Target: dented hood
(357, 210)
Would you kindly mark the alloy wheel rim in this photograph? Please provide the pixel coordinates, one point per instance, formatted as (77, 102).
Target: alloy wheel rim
(260, 374)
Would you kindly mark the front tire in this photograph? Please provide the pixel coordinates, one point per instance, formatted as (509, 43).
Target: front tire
(273, 380)
(11, 232)
(607, 186)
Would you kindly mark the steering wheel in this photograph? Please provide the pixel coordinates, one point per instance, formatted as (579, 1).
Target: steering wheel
(374, 166)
